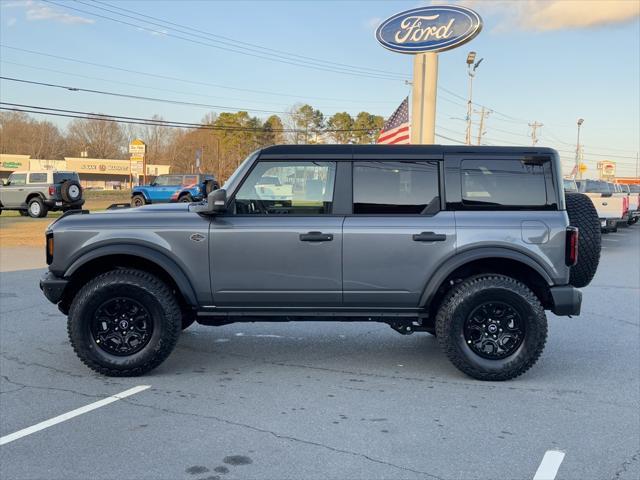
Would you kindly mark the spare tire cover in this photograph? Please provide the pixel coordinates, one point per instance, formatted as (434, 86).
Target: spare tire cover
(583, 214)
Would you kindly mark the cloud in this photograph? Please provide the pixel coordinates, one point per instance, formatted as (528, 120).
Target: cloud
(36, 11)
(547, 15)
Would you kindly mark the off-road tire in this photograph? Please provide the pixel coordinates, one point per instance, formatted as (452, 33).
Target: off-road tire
(462, 300)
(138, 201)
(71, 191)
(146, 289)
(36, 208)
(185, 199)
(583, 214)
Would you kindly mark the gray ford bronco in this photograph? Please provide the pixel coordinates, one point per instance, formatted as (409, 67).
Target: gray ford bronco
(471, 244)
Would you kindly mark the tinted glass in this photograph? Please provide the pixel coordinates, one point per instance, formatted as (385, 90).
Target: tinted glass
(596, 186)
(37, 178)
(163, 180)
(503, 183)
(394, 187)
(570, 185)
(634, 188)
(302, 188)
(18, 179)
(60, 177)
(190, 180)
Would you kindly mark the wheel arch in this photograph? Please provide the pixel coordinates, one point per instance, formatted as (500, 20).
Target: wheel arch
(114, 257)
(487, 260)
(32, 195)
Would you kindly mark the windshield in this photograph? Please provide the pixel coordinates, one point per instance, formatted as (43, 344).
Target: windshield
(240, 168)
(595, 186)
(570, 185)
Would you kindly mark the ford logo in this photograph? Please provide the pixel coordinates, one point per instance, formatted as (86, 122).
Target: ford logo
(429, 29)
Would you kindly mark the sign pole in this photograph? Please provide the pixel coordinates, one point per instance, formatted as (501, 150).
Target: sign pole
(423, 99)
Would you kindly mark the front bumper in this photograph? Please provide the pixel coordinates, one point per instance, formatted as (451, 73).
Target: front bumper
(53, 287)
(567, 300)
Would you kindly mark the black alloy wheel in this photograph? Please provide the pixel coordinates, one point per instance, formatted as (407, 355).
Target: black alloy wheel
(494, 330)
(121, 326)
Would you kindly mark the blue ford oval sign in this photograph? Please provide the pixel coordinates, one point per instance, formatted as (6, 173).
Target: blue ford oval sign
(429, 29)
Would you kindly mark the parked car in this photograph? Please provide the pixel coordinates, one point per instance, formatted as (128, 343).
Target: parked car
(471, 244)
(35, 193)
(162, 189)
(634, 203)
(612, 209)
(196, 192)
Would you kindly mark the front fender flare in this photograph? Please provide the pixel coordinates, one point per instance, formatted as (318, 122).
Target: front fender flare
(468, 256)
(154, 256)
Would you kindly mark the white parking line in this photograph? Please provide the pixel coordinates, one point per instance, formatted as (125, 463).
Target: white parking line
(69, 415)
(549, 466)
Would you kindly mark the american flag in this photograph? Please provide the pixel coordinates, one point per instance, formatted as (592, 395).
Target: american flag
(396, 128)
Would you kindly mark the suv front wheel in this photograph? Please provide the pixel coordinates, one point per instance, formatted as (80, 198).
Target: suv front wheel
(124, 323)
(492, 327)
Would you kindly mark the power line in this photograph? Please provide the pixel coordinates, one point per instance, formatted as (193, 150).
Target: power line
(177, 79)
(226, 40)
(209, 44)
(137, 97)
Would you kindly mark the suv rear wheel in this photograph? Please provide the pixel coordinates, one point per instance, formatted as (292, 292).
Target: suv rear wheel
(186, 198)
(71, 191)
(492, 327)
(124, 323)
(36, 208)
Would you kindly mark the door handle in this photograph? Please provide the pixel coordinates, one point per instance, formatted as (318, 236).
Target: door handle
(316, 237)
(429, 237)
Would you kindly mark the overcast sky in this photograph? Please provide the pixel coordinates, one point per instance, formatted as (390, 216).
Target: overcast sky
(549, 61)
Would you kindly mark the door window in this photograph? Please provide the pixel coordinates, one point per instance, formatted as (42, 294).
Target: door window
(18, 179)
(190, 180)
(164, 180)
(287, 188)
(394, 187)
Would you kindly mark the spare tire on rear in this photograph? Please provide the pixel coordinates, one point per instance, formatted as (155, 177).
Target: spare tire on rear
(583, 214)
(71, 191)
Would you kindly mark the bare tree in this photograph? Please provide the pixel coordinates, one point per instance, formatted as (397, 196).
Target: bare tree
(99, 137)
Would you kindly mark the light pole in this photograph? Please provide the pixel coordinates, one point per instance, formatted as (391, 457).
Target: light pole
(471, 71)
(578, 150)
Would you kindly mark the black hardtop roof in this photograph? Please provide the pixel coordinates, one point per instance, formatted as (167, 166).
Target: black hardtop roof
(401, 150)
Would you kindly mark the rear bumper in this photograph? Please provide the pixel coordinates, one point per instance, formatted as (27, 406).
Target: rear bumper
(53, 204)
(567, 300)
(53, 287)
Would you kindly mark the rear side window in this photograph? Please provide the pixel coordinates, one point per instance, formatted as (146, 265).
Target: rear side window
(37, 178)
(394, 187)
(190, 180)
(60, 177)
(506, 184)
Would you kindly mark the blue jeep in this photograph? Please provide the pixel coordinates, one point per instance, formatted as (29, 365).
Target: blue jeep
(173, 188)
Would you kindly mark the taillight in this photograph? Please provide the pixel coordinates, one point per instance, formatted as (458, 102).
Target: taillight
(49, 247)
(52, 190)
(571, 247)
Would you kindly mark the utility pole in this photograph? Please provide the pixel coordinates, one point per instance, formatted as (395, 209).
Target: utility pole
(471, 72)
(578, 151)
(484, 113)
(534, 126)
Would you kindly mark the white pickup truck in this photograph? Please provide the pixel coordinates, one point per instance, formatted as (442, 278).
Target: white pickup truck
(612, 204)
(633, 192)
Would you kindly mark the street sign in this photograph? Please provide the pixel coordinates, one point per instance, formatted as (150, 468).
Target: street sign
(429, 29)
(582, 167)
(137, 147)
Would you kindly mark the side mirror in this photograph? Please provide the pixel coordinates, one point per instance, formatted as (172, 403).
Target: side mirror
(217, 201)
(5, 182)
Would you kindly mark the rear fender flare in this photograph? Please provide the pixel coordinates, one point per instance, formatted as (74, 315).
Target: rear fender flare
(458, 260)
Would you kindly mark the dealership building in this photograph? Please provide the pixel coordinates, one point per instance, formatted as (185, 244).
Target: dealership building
(98, 173)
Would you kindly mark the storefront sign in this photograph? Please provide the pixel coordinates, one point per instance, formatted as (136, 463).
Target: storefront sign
(105, 167)
(429, 29)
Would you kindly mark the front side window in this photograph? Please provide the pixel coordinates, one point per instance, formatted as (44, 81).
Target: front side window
(18, 179)
(504, 183)
(37, 178)
(286, 188)
(388, 187)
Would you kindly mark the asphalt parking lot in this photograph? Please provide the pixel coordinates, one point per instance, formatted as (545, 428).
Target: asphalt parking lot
(326, 400)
